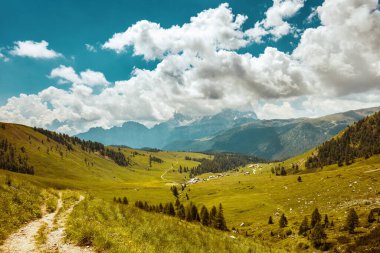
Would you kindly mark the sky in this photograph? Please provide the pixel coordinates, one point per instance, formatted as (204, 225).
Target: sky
(70, 65)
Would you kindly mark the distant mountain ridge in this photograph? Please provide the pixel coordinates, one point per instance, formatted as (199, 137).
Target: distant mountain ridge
(179, 128)
(232, 131)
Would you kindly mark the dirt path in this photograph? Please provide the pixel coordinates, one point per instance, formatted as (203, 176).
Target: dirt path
(24, 240)
(166, 171)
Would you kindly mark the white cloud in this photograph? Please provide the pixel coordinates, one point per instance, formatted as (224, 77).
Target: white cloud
(335, 67)
(3, 57)
(274, 23)
(90, 48)
(343, 54)
(88, 77)
(34, 49)
(210, 30)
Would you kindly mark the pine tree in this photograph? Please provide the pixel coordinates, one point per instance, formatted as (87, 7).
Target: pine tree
(299, 179)
(304, 227)
(283, 221)
(352, 220)
(188, 215)
(125, 201)
(181, 213)
(317, 235)
(371, 217)
(171, 210)
(213, 213)
(220, 221)
(270, 221)
(177, 203)
(326, 224)
(174, 191)
(194, 213)
(315, 217)
(205, 219)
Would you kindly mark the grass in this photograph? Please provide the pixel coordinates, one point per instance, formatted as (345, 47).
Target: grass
(119, 228)
(41, 236)
(20, 202)
(248, 200)
(251, 199)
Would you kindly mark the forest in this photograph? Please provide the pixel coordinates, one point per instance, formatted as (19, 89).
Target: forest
(361, 140)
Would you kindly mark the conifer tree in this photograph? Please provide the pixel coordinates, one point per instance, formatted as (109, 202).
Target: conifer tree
(220, 221)
(125, 201)
(270, 221)
(177, 203)
(317, 235)
(283, 221)
(205, 219)
(315, 217)
(194, 213)
(174, 191)
(304, 227)
(371, 217)
(171, 210)
(213, 213)
(326, 221)
(181, 213)
(352, 220)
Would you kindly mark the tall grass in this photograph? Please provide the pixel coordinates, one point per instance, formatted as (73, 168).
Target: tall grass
(20, 202)
(118, 228)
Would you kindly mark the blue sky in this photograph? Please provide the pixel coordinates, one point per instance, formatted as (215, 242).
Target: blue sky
(68, 25)
(293, 85)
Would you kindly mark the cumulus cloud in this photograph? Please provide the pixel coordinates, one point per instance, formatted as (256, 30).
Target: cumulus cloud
(210, 30)
(336, 66)
(88, 77)
(274, 24)
(32, 49)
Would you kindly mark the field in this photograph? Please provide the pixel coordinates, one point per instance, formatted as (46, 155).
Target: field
(249, 196)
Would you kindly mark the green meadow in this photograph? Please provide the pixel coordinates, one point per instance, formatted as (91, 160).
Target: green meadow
(249, 196)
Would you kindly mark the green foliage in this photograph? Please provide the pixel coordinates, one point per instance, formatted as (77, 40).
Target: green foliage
(352, 220)
(362, 139)
(223, 163)
(315, 217)
(304, 227)
(205, 217)
(13, 159)
(318, 235)
(283, 221)
(174, 190)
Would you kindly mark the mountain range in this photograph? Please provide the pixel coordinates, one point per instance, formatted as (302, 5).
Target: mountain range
(231, 131)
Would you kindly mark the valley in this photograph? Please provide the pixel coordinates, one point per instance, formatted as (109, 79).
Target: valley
(250, 194)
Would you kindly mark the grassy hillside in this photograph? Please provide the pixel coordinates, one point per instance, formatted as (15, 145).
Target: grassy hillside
(249, 196)
(55, 166)
(21, 202)
(120, 228)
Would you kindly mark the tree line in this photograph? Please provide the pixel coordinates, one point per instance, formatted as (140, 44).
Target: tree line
(211, 218)
(14, 159)
(361, 140)
(87, 146)
(222, 163)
